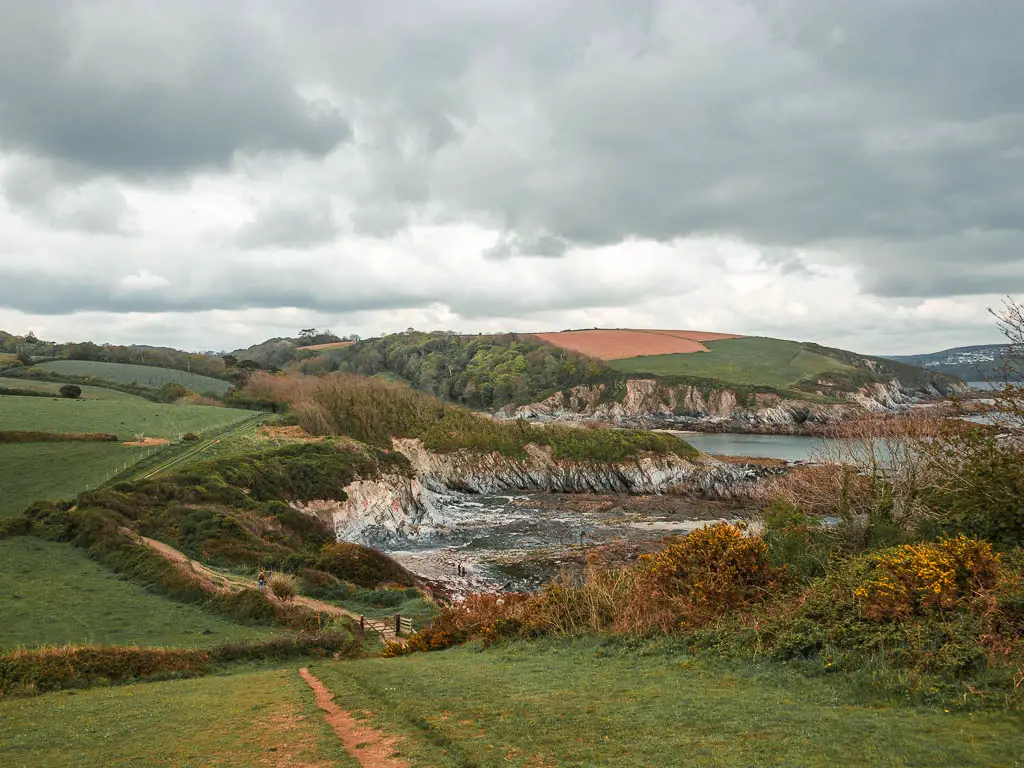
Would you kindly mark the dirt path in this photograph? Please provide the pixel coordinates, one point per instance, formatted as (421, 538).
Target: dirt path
(222, 582)
(372, 748)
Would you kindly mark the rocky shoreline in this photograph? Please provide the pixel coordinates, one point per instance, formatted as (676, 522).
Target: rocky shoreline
(409, 507)
(651, 404)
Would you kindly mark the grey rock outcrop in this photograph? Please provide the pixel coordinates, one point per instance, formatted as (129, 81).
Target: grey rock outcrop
(651, 403)
(396, 506)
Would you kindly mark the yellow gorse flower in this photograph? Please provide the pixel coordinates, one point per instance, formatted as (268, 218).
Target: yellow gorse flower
(918, 578)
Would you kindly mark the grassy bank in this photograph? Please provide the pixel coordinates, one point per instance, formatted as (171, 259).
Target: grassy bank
(54, 594)
(261, 718)
(588, 703)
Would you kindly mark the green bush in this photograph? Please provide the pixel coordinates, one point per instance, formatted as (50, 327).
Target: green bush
(72, 391)
(361, 565)
(801, 544)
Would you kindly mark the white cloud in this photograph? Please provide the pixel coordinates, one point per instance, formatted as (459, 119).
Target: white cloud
(142, 281)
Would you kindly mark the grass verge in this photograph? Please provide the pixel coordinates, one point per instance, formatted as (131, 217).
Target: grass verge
(266, 718)
(594, 703)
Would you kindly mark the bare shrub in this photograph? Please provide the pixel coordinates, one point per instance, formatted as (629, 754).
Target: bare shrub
(876, 464)
(290, 389)
(283, 586)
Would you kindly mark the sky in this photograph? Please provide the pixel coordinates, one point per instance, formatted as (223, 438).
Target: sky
(209, 175)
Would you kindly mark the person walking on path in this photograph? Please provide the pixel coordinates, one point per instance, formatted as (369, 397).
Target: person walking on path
(261, 580)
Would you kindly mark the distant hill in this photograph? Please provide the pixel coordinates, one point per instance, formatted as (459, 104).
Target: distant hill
(281, 350)
(492, 371)
(974, 363)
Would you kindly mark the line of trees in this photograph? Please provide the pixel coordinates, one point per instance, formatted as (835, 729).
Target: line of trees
(480, 372)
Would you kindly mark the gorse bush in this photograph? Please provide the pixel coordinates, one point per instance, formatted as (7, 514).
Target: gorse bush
(917, 579)
(711, 571)
(688, 584)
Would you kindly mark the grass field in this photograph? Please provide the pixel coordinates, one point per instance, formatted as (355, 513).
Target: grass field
(581, 704)
(53, 387)
(53, 594)
(46, 471)
(140, 375)
(125, 418)
(753, 360)
(255, 719)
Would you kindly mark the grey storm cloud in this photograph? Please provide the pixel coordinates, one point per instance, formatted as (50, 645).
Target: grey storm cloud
(147, 89)
(290, 225)
(60, 201)
(889, 132)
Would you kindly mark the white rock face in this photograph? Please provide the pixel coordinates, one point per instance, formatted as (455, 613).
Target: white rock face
(397, 506)
(648, 401)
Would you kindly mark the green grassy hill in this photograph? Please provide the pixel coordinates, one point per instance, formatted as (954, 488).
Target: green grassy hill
(608, 706)
(141, 375)
(54, 594)
(751, 360)
(254, 719)
(48, 471)
(124, 418)
(60, 470)
(488, 372)
(599, 705)
(53, 388)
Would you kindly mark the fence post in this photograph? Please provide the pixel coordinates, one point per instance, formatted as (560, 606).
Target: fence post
(362, 623)
(398, 625)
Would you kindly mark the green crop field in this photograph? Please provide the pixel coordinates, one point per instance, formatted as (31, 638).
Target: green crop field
(140, 375)
(751, 360)
(266, 718)
(53, 388)
(124, 418)
(583, 704)
(53, 594)
(46, 471)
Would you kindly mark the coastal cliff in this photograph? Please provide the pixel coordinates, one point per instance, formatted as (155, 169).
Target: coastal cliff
(408, 506)
(653, 403)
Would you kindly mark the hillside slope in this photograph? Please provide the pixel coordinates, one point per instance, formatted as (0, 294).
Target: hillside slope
(698, 379)
(975, 363)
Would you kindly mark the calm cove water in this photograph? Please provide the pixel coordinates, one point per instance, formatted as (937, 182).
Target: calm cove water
(788, 447)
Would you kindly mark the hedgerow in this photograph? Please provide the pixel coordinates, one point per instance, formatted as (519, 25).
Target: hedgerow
(26, 672)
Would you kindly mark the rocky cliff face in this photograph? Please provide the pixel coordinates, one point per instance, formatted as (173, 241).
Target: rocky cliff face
(396, 506)
(649, 403)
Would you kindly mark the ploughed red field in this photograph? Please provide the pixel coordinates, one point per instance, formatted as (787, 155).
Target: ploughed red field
(330, 345)
(621, 344)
